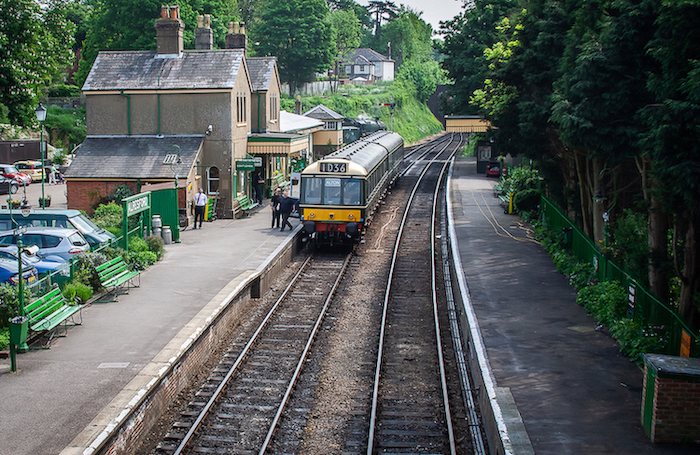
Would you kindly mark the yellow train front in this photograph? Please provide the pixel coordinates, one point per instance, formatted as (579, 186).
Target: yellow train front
(340, 192)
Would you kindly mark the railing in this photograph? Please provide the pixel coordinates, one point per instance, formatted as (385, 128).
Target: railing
(644, 308)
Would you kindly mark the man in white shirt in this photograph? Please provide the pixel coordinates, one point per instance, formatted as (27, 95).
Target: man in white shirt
(200, 202)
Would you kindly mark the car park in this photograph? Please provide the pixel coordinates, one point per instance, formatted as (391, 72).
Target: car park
(62, 242)
(8, 186)
(56, 218)
(9, 272)
(9, 171)
(32, 258)
(31, 167)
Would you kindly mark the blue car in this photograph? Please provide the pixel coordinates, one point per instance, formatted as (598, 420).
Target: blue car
(9, 272)
(31, 258)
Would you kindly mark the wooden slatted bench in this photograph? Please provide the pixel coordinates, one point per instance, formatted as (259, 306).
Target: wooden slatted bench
(115, 275)
(244, 205)
(50, 311)
(281, 182)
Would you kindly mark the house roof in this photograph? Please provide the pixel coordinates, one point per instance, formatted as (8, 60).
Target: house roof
(368, 54)
(135, 157)
(146, 70)
(321, 112)
(292, 123)
(262, 72)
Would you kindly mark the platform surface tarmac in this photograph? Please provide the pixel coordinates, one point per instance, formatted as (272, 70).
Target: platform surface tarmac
(575, 392)
(58, 392)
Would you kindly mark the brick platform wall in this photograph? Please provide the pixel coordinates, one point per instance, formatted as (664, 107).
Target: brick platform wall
(676, 414)
(82, 195)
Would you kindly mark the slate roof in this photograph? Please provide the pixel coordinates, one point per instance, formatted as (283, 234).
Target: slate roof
(370, 55)
(145, 70)
(262, 72)
(134, 157)
(321, 112)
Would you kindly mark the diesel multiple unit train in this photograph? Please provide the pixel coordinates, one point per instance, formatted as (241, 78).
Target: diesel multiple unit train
(340, 192)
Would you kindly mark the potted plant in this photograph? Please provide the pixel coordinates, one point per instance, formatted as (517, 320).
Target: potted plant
(15, 204)
(46, 201)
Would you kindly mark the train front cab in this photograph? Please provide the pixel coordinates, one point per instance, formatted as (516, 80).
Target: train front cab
(332, 209)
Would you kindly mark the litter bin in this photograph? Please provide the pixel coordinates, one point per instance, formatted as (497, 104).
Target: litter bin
(18, 331)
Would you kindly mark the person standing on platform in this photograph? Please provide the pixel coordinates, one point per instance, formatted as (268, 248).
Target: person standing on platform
(200, 203)
(258, 181)
(275, 206)
(286, 207)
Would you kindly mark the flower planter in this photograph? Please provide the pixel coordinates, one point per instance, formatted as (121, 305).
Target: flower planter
(47, 202)
(18, 330)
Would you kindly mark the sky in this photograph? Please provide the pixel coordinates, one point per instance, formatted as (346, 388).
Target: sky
(434, 11)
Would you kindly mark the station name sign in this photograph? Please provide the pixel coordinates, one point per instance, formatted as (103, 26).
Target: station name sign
(137, 203)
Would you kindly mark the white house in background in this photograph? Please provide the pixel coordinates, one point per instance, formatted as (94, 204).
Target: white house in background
(367, 65)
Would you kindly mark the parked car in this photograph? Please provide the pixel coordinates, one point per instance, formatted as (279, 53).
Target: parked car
(32, 258)
(494, 170)
(57, 218)
(62, 242)
(9, 272)
(9, 171)
(8, 186)
(31, 167)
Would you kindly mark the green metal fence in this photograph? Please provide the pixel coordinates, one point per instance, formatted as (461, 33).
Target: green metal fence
(644, 307)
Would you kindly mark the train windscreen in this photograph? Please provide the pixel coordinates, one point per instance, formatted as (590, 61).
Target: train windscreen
(332, 191)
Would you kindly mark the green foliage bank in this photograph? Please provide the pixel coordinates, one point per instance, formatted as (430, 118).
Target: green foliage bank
(411, 118)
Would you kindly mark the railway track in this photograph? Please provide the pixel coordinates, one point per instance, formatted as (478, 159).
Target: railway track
(410, 406)
(365, 387)
(238, 407)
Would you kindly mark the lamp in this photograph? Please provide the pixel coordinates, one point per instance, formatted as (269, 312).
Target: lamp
(41, 116)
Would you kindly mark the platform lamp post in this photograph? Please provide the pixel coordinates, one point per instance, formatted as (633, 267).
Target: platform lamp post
(41, 116)
(18, 324)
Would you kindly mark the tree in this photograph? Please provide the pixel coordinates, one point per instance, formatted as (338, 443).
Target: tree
(299, 33)
(346, 32)
(129, 25)
(35, 47)
(410, 38)
(673, 140)
(383, 11)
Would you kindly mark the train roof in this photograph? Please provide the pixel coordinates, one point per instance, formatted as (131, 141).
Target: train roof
(366, 152)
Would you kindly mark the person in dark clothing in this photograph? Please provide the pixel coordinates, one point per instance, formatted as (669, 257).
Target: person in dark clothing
(286, 206)
(274, 205)
(258, 182)
(200, 203)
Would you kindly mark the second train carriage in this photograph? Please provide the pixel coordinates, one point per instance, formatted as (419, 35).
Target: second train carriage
(340, 192)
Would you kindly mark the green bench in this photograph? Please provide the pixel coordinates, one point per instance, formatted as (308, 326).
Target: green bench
(281, 182)
(244, 204)
(49, 311)
(116, 275)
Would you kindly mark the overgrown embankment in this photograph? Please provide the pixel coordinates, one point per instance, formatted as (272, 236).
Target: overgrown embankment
(410, 118)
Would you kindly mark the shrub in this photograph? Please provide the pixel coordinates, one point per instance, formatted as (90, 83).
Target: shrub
(76, 292)
(137, 245)
(85, 269)
(607, 302)
(9, 302)
(141, 260)
(108, 216)
(635, 339)
(156, 245)
(527, 200)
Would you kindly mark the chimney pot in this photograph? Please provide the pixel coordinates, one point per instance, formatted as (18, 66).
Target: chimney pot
(200, 21)
(175, 12)
(207, 20)
(230, 28)
(241, 30)
(235, 28)
(164, 11)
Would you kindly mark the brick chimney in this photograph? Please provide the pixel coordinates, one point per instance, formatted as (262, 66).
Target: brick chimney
(204, 38)
(169, 31)
(236, 38)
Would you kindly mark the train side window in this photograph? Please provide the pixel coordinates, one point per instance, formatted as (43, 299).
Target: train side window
(331, 191)
(351, 192)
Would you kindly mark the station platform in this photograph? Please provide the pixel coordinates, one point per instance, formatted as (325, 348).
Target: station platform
(575, 392)
(58, 392)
